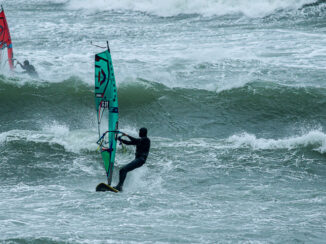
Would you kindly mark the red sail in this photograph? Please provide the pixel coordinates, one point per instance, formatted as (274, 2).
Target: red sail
(5, 40)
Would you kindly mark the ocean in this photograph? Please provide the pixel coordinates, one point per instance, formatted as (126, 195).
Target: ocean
(233, 94)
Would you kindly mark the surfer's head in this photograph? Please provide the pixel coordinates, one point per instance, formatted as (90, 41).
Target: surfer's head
(26, 62)
(142, 132)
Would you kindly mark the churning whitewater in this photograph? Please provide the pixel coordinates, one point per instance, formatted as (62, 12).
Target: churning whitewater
(233, 94)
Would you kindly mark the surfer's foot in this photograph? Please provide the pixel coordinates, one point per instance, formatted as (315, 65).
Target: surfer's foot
(118, 187)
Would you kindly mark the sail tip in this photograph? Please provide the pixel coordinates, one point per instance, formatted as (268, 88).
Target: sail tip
(107, 43)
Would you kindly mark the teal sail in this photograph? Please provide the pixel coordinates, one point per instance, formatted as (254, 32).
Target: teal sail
(106, 100)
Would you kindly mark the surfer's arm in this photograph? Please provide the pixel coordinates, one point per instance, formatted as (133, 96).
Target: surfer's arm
(22, 66)
(133, 141)
(125, 142)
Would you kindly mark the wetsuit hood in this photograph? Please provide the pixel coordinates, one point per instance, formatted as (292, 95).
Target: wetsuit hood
(143, 132)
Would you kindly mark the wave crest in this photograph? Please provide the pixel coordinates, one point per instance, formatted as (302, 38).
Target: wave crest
(315, 139)
(176, 7)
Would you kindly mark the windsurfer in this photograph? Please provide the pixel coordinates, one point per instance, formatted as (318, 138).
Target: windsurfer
(142, 149)
(29, 69)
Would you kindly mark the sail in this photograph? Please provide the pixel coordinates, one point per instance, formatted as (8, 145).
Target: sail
(106, 101)
(6, 53)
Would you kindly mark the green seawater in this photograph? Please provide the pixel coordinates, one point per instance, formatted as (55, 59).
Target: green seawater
(234, 99)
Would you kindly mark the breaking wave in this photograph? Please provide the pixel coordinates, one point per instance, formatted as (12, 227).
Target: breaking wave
(315, 139)
(207, 8)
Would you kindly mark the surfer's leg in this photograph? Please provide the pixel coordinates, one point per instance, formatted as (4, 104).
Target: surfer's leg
(136, 163)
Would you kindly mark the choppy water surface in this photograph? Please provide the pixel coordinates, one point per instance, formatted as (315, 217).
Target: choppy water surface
(233, 94)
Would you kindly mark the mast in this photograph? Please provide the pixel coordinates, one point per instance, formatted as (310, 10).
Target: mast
(106, 101)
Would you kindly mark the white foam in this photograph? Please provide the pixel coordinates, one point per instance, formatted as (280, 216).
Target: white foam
(73, 141)
(55, 128)
(55, 134)
(171, 60)
(314, 138)
(250, 8)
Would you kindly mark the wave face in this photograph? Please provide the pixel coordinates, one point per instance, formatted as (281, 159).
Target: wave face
(233, 94)
(255, 107)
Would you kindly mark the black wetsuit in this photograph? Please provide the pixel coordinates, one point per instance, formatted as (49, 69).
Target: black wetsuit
(142, 149)
(29, 69)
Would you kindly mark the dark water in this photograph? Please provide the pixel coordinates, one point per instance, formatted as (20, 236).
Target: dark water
(233, 95)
